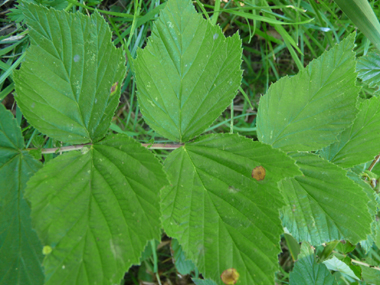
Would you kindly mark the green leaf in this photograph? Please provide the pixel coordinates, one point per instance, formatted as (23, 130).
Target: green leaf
(307, 111)
(360, 12)
(183, 265)
(20, 249)
(370, 275)
(307, 271)
(373, 205)
(324, 204)
(187, 74)
(198, 281)
(96, 210)
(64, 86)
(368, 68)
(337, 265)
(222, 217)
(358, 143)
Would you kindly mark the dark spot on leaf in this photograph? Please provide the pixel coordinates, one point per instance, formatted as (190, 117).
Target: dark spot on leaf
(258, 173)
(230, 276)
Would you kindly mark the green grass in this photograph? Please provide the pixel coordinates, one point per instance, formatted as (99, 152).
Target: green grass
(271, 51)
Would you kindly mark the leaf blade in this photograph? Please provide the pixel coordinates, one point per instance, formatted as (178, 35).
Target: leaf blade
(20, 248)
(315, 212)
(358, 143)
(187, 74)
(323, 106)
(90, 209)
(218, 212)
(308, 271)
(55, 85)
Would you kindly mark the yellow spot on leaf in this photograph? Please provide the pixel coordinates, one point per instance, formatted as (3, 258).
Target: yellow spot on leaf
(230, 276)
(258, 173)
(47, 250)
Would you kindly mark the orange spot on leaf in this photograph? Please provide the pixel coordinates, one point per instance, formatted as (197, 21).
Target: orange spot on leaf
(258, 173)
(230, 276)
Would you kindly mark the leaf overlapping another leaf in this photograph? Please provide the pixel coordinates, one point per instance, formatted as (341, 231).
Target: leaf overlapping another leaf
(324, 204)
(307, 111)
(308, 271)
(368, 68)
(64, 86)
(222, 217)
(20, 249)
(187, 74)
(96, 210)
(360, 142)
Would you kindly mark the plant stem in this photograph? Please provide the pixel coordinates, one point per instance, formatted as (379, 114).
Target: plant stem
(376, 160)
(80, 146)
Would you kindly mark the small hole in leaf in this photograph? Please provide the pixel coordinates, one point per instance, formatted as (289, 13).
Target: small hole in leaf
(258, 173)
(230, 276)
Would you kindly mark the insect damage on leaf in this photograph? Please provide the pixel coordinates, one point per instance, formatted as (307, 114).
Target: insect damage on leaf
(230, 276)
(258, 173)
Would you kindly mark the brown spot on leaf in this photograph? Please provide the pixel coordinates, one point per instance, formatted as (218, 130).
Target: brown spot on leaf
(114, 87)
(258, 173)
(230, 276)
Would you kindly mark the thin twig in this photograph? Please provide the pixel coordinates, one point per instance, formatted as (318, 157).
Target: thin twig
(364, 264)
(80, 146)
(376, 160)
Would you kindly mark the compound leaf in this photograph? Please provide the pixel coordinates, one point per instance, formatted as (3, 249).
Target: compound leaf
(64, 86)
(187, 74)
(96, 210)
(220, 214)
(359, 143)
(20, 249)
(368, 68)
(308, 271)
(307, 111)
(324, 204)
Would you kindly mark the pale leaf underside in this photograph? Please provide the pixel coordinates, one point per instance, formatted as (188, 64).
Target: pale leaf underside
(368, 68)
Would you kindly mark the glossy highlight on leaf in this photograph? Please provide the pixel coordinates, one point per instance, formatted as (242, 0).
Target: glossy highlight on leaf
(63, 86)
(187, 74)
(220, 215)
(96, 210)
